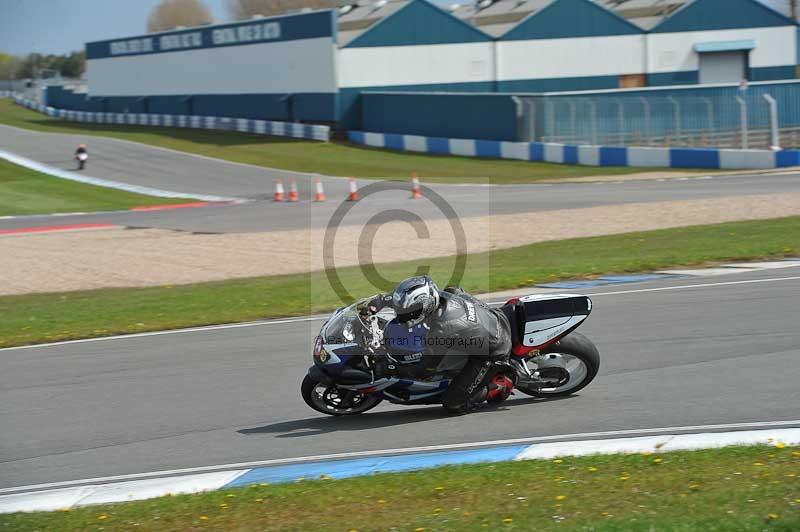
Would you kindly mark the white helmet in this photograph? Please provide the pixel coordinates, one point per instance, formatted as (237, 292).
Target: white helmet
(415, 299)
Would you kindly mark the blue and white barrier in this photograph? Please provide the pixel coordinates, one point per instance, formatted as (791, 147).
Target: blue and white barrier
(58, 496)
(242, 125)
(584, 155)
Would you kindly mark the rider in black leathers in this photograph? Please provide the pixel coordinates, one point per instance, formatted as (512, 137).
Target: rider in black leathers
(440, 323)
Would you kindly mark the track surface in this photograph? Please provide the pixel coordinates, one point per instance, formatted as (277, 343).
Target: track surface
(145, 165)
(724, 353)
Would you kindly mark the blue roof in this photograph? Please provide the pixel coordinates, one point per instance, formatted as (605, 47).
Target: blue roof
(721, 15)
(570, 18)
(418, 22)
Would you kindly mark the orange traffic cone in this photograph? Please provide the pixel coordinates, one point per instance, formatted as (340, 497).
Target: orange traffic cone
(416, 189)
(293, 195)
(278, 196)
(320, 195)
(353, 196)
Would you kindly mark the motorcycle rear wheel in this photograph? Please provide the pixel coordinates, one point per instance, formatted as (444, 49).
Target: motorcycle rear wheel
(581, 362)
(328, 399)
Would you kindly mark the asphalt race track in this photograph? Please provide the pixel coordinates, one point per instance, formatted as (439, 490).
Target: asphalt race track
(140, 164)
(726, 351)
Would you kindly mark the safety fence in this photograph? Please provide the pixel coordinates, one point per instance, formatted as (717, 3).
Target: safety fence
(584, 154)
(758, 115)
(242, 125)
(751, 116)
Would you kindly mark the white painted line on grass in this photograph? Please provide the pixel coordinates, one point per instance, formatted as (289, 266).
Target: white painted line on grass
(661, 444)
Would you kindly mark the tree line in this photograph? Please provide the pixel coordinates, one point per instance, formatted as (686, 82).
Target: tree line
(34, 65)
(170, 14)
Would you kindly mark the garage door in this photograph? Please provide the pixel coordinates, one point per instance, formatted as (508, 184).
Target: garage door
(723, 67)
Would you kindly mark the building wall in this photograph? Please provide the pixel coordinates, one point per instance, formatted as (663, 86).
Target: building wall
(672, 59)
(419, 48)
(480, 116)
(285, 67)
(298, 72)
(569, 64)
(416, 65)
(278, 68)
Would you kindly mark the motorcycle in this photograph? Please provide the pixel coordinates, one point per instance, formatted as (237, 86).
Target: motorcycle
(548, 359)
(82, 158)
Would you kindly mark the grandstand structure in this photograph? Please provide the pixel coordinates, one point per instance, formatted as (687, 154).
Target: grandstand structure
(315, 66)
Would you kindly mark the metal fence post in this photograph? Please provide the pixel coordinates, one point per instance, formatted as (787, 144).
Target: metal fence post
(530, 105)
(775, 143)
(677, 107)
(743, 120)
(550, 114)
(573, 123)
(593, 114)
(710, 106)
(646, 109)
(621, 117)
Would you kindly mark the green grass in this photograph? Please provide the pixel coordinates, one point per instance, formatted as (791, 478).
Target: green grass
(335, 158)
(25, 191)
(38, 318)
(733, 489)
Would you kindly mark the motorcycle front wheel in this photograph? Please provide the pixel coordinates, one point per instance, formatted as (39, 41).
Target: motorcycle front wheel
(563, 368)
(329, 399)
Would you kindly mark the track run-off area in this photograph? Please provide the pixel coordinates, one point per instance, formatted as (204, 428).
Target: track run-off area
(677, 353)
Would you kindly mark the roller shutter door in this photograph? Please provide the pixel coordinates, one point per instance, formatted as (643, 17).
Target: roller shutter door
(723, 67)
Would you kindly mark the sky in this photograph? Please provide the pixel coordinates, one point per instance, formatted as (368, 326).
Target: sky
(61, 26)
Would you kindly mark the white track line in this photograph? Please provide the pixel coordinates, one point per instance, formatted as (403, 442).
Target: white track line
(407, 450)
(175, 331)
(323, 316)
(86, 179)
(177, 152)
(704, 285)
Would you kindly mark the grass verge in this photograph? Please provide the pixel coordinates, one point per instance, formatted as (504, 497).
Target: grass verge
(38, 318)
(334, 158)
(733, 489)
(25, 191)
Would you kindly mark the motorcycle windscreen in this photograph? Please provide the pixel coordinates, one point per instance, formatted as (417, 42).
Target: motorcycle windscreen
(550, 316)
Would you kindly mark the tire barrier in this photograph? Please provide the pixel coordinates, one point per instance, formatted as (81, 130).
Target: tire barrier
(584, 155)
(241, 125)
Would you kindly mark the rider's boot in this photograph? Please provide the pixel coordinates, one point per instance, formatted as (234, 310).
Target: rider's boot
(468, 389)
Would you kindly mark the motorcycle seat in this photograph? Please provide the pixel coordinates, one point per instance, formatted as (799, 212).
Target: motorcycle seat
(537, 320)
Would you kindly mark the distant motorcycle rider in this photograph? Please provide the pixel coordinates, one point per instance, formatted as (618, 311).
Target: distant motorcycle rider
(81, 154)
(432, 324)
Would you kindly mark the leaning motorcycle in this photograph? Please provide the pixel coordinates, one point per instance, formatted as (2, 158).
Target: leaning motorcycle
(548, 358)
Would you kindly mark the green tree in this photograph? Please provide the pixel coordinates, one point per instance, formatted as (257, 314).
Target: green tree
(171, 13)
(73, 65)
(9, 65)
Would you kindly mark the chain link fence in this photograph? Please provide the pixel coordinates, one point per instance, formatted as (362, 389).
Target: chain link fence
(755, 117)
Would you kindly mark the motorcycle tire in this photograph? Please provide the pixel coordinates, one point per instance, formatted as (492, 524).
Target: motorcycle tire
(575, 345)
(323, 404)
